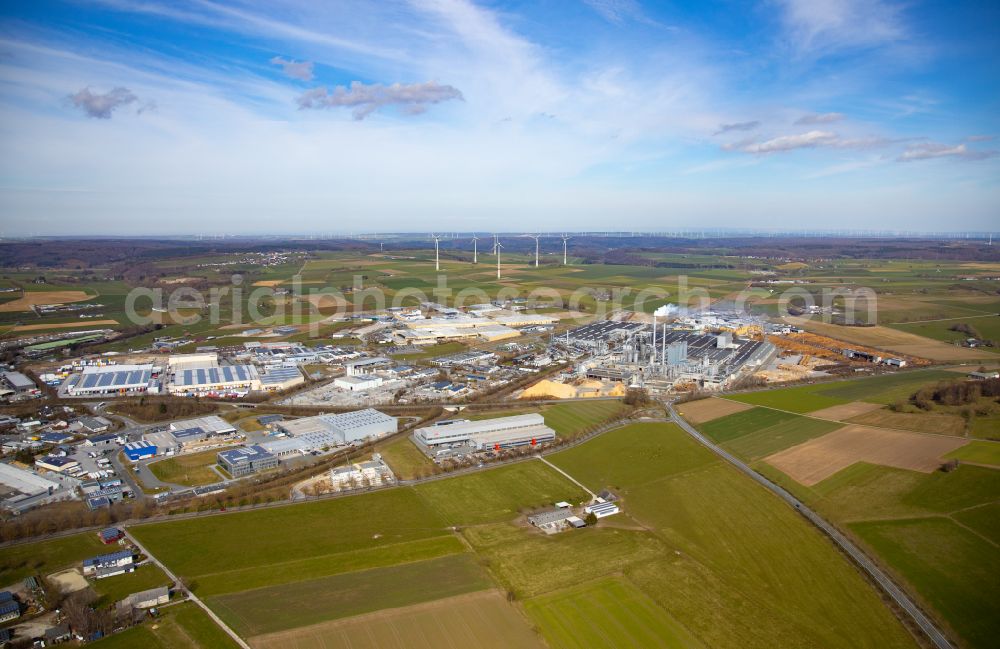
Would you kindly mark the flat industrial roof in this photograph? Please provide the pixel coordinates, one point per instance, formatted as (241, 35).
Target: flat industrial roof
(216, 375)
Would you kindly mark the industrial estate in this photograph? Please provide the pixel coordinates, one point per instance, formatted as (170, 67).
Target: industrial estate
(577, 456)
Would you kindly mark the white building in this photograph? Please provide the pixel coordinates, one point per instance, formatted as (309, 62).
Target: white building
(503, 432)
(358, 382)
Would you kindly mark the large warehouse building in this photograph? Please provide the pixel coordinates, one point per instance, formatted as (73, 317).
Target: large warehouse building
(115, 379)
(202, 374)
(505, 432)
(329, 431)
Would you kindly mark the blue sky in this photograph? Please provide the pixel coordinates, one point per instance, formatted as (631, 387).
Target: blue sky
(197, 116)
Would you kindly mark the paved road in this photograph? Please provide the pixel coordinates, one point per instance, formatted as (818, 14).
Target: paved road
(191, 596)
(845, 544)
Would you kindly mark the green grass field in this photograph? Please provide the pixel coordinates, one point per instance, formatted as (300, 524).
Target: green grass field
(732, 547)
(570, 420)
(191, 470)
(978, 452)
(46, 557)
(213, 544)
(952, 569)
(802, 399)
(498, 494)
(284, 572)
(405, 459)
(784, 435)
(908, 520)
(629, 457)
(608, 613)
(288, 606)
(184, 626)
(530, 564)
(877, 389)
(725, 429)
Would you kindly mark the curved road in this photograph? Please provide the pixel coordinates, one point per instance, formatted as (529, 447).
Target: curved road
(845, 544)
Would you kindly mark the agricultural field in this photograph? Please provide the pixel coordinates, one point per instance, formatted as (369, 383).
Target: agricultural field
(920, 422)
(936, 531)
(497, 495)
(192, 470)
(482, 619)
(884, 389)
(814, 461)
(405, 459)
(607, 613)
(894, 340)
(304, 603)
(46, 557)
(705, 410)
(978, 453)
(952, 568)
(402, 517)
(727, 545)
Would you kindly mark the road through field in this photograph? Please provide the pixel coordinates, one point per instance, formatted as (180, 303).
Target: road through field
(568, 477)
(194, 598)
(845, 544)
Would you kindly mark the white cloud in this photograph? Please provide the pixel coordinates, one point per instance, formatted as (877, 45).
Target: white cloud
(100, 106)
(820, 118)
(738, 126)
(367, 98)
(782, 143)
(932, 150)
(824, 25)
(301, 70)
(617, 11)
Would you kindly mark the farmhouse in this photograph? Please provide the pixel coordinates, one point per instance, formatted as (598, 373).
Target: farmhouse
(246, 460)
(110, 535)
(499, 432)
(552, 520)
(147, 598)
(108, 565)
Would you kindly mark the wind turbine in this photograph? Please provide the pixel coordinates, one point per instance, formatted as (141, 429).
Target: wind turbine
(496, 242)
(535, 237)
(475, 249)
(497, 247)
(437, 258)
(565, 238)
